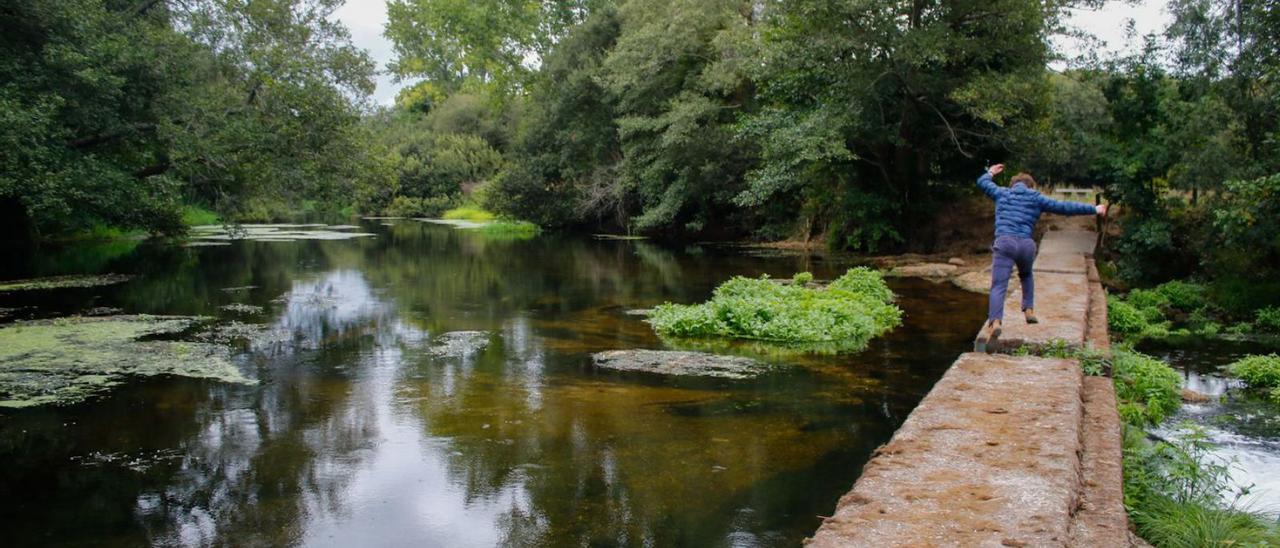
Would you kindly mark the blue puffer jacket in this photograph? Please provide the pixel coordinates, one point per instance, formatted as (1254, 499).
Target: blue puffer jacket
(1018, 207)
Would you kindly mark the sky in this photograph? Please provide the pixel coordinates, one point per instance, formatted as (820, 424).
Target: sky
(365, 19)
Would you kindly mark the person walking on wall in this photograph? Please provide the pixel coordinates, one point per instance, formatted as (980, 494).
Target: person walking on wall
(1018, 207)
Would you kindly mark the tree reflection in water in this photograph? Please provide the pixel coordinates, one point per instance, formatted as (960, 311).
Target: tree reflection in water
(357, 434)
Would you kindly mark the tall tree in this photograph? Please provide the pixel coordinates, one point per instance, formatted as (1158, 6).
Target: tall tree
(870, 110)
(492, 45)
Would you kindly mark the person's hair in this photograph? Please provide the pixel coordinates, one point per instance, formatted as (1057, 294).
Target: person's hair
(1024, 178)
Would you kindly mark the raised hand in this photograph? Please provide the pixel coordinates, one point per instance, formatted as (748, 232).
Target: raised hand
(995, 170)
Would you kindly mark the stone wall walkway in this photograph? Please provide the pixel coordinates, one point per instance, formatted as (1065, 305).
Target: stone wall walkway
(1005, 450)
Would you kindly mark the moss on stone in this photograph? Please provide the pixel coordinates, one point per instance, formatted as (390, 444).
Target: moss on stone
(66, 360)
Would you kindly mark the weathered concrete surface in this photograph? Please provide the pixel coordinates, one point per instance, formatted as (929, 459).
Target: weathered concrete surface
(673, 362)
(1062, 306)
(989, 458)
(1005, 450)
(1063, 294)
(1101, 518)
(1076, 241)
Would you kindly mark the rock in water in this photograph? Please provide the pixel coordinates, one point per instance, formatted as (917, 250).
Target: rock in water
(673, 362)
(1191, 396)
(977, 281)
(459, 344)
(923, 270)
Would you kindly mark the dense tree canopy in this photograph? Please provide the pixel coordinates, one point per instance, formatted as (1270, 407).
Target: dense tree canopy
(851, 120)
(117, 112)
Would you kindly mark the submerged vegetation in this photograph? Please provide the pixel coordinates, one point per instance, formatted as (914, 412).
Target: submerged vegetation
(843, 316)
(69, 359)
(62, 282)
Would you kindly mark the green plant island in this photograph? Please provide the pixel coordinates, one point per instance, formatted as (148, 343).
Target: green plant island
(799, 316)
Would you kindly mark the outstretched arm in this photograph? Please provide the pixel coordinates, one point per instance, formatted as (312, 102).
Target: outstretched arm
(1069, 208)
(987, 184)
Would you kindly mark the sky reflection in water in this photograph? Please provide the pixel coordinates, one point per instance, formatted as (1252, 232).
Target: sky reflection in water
(358, 434)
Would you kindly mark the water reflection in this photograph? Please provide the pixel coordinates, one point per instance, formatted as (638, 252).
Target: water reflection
(359, 433)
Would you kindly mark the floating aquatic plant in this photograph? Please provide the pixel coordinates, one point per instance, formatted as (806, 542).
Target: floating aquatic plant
(63, 282)
(841, 317)
(66, 360)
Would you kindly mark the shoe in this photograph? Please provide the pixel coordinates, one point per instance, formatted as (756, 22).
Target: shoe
(990, 333)
(1031, 315)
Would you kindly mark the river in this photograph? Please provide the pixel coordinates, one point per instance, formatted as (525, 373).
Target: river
(357, 433)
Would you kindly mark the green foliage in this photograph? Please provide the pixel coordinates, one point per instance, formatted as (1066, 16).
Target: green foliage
(1175, 493)
(1092, 362)
(195, 216)
(1147, 389)
(852, 310)
(509, 230)
(1268, 319)
(405, 206)
(802, 278)
(886, 113)
(456, 44)
(1259, 372)
(116, 113)
(1133, 322)
(469, 213)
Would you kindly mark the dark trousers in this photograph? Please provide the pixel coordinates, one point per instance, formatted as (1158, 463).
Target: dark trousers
(1005, 253)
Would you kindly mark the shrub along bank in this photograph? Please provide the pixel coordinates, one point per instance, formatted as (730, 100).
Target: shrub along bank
(1184, 309)
(1174, 491)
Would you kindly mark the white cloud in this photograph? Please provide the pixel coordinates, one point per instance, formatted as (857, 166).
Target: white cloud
(366, 20)
(1110, 25)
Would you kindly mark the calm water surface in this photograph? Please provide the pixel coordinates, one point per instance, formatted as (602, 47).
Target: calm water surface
(356, 435)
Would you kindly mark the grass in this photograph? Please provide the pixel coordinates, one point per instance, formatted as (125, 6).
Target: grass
(509, 230)
(843, 316)
(1176, 492)
(1259, 372)
(469, 213)
(1147, 390)
(193, 215)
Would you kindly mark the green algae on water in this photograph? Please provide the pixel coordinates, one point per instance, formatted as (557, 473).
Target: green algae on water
(67, 360)
(63, 282)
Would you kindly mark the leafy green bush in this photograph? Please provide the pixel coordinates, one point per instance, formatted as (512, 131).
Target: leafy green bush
(405, 206)
(802, 278)
(196, 216)
(1147, 389)
(1181, 295)
(1268, 319)
(469, 213)
(1262, 372)
(852, 310)
(1147, 299)
(1136, 322)
(509, 230)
